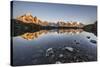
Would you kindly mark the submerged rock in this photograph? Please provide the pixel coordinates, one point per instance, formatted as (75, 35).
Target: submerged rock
(77, 43)
(93, 41)
(65, 55)
(88, 37)
(75, 40)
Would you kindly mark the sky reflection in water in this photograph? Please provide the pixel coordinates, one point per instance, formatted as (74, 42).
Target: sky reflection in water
(30, 48)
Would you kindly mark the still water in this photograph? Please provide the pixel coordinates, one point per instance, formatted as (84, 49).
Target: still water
(54, 46)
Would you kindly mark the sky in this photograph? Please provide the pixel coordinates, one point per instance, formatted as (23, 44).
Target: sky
(53, 12)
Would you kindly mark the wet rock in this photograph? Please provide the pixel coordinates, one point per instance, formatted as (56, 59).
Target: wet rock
(69, 48)
(49, 49)
(65, 55)
(93, 41)
(49, 52)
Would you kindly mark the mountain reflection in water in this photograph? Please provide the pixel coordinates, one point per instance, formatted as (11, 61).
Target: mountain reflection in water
(54, 46)
(34, 35)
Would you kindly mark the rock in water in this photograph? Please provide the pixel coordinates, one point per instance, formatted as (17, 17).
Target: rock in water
(77, 43)
(49, 49)
(69, 48)
(49, 52)
(61, 55)
(93, 41)
(88, 37)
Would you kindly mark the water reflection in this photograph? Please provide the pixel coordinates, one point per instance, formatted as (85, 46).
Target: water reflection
(54, 46)
(34, 35)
